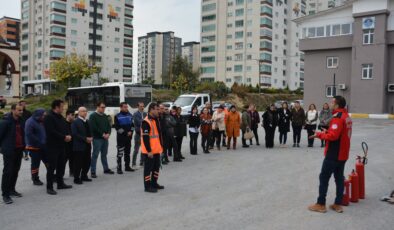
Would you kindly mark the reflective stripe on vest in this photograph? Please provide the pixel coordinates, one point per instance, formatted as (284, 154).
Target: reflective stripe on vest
(154, 138)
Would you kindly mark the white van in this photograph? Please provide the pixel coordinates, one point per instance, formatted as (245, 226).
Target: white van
(187, 101)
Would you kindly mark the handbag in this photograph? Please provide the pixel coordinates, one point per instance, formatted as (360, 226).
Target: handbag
(248, 134)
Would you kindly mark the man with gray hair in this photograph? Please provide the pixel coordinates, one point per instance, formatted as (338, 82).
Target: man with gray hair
(82, 145)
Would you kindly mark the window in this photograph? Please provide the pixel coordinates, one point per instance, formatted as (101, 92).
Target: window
(266, 10)
(265, 68)
(238, 57)
(266, 21)
(116, 50)
(368, 37)
(73, 44)
(345, 29)
(74, 20)
(332, 62)
(239, 23)
(58, 42)
(59, 18)
(206, 39)
(206, 49)
(238, 68)
(367, 71)
(249, 34)
(239, 12)
(239, 45)
(74, 32)
(336, 30)
(208, 59)
(209, 18)
(331, 91)
(239, 34)
(209, 7)
(266, 56)
(239, 2)
(208, 28)
(320, 31)
(210, 69)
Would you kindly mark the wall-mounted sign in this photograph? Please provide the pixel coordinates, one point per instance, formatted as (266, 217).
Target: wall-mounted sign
(112, 13)
(81, 7)
(368, 23)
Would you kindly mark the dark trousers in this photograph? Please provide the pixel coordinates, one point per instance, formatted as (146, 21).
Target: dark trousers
(269, 137)
(218, 137)
(56, 158)
(211, 139)
(331, 167)
(205, 142)
(224, 138)
(173, 149)
(12, 164)
(82, 161)
(256, 135)
(151, 170)
(124, 149)
(36, 158)
(69, 156)
(165, 147)
(243, 138)
(137, 145)
(193, 143)
(296, 134)
(311, 129)
(179, 141)
(282, 137)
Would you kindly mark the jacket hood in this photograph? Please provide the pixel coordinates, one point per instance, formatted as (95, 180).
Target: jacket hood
(37, 114)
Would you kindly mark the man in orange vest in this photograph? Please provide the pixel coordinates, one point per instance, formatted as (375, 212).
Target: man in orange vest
(151, 147)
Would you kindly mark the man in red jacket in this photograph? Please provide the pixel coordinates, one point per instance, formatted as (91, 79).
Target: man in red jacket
(337, 149)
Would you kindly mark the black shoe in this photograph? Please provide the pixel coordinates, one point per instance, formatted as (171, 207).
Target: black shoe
(50, 191)
(178, 160)
(64, 186)
(93, 175)
(298, 145)
(207, 152)
(258, 143)
(183, 158)
(108, 171)
(86, 179)
(15, 194)
(119, 171)
(294, 145)
(164, 162)
(251, 143)
(37, 182)
(151, 190)
(245, 146)
(158, 187)
(78, 181)
(128, 169)
(7, 200)
(141, 164)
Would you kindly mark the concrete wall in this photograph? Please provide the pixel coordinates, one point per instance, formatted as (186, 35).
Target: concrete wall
(318, 76)
(390, 98)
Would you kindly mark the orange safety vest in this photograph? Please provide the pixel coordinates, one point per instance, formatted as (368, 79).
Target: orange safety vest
(154, 137)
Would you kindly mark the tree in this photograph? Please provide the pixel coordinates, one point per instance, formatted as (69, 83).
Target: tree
(181, 84)
(71, 69)
(181, 66)
(148, 81)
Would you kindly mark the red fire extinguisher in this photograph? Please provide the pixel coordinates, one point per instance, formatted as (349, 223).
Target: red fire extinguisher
(354, 187)
(346, 195)
(360, 169)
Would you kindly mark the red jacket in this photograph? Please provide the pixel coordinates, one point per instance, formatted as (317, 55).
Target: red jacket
(338, 136)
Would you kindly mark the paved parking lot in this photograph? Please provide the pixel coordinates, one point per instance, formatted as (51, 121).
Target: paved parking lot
(251, 188)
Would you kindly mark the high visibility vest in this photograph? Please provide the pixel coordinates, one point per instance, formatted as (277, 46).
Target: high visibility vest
(154, 138)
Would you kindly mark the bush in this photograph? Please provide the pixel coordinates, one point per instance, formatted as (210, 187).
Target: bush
(240, 90)
(216, 89)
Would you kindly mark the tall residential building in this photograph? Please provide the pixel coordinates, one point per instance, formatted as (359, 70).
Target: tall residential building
(191, 51)
(101, 30)
(9, 30)
(349, 51)
(252, 42)
(156, 52)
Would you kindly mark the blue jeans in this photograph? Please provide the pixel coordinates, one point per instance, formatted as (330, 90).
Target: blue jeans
(99, 145)
(331, 167)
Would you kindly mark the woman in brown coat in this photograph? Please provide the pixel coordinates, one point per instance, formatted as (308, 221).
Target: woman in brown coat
(233, 126)
(206, 129)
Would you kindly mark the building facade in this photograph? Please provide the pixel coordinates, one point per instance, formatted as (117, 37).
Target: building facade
(315, 6)
(9, 30)
(354, 43)
(101, 30)
(156, 52)
(191, 51)
(252, 42)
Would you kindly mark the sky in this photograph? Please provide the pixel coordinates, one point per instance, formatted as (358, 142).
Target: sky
(180, 16)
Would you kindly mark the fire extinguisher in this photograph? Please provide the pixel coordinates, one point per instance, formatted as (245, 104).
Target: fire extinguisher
(354, 186)
(346, 195)
(360, 169)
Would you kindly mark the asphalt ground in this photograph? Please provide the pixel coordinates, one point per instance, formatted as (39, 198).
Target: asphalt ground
(252, 188)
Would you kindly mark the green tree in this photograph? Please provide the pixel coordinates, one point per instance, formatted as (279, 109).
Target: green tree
(181, 83)
(182, 67)
(148, 81)
(71, 69)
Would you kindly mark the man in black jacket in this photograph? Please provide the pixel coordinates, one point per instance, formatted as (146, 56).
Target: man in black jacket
(82, 146)
(12, 145)
(57, 137)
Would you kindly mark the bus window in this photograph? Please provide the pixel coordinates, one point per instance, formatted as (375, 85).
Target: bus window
(110, 96)
(135, 94)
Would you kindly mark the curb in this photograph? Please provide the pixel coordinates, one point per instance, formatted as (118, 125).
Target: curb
(372, 116)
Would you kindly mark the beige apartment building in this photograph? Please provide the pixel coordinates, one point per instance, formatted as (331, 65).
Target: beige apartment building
(191, 51)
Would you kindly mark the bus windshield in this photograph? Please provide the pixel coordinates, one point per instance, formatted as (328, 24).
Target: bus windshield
(89, 97)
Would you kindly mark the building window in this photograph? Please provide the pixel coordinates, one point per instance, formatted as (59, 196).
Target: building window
(239, 34)
(239, 12)
(208, 28)
(368, 37)
(209, 7)
(332, 62)
(331, 91)
(238, 68)
(367, 71)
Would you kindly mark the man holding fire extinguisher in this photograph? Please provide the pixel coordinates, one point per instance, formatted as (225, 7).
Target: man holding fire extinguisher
(337, 149)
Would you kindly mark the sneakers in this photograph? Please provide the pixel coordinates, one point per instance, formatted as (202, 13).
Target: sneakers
(318, 208)
(109, 171)
(337, 208)
(7, 200)
(15, 194)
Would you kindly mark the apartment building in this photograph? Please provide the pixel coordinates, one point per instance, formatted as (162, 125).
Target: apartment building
(191, 51)
(156, 52)
(9, 30)
(349, 51)
(314, 6)
(101, 30)
(252, 42)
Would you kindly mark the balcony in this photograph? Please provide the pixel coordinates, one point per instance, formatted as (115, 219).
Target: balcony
(268, 2)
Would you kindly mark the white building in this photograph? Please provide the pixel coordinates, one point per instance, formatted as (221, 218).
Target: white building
(191, 51)
(102, 30)
(156, 52)
(252, 42)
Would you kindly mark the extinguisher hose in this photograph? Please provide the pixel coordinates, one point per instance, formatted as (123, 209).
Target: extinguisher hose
(364, 146)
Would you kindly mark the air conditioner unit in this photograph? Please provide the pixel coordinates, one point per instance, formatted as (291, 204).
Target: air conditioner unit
(342, 86)
(390, 88)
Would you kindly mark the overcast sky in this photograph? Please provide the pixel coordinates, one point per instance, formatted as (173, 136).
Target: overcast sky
(180, 16)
